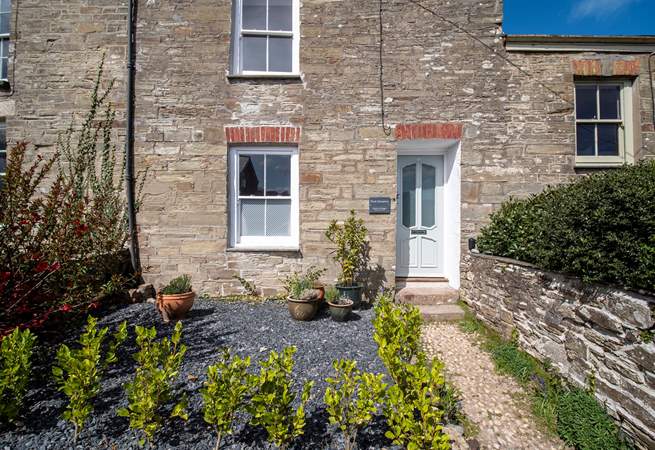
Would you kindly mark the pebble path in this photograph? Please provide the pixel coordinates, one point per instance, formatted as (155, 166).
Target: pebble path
(495, 403)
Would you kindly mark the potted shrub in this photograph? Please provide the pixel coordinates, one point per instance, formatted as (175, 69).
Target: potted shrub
(176, 298)
(302, 300)
(313, 276)
(340, 307)
(350, 254)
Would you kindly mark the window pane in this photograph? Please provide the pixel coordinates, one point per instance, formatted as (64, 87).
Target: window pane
(4, 68)
(280, 15)
(409, 195)
(586, 140)
(278, 175)
(3, 136)
(428, 195)
(281, 54)
(3, 162)
(254, 53)
(608, 140)
(610, 102)
(585, 102)
(254, 15)
(252, 217)
(5, 18)
(5, 5)
(278, 217)
(251, 175)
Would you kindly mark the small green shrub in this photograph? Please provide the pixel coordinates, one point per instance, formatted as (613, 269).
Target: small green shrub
(271, 405)
(350, 240)
(415, 415)
(352, 399)
(78, 372)
(599, 228)
(225, 393)
(397, 334)
(584, 424)
(179, 285)
(298, 282)
(158, 365)
(15, 366)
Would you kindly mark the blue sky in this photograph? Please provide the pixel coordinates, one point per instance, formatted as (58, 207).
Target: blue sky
(585, 17)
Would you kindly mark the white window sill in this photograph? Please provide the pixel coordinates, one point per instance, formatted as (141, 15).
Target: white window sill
(258, 248)
(265, 76)
(599, 165)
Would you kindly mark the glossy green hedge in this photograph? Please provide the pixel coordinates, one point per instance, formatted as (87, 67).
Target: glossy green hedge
(600, 228)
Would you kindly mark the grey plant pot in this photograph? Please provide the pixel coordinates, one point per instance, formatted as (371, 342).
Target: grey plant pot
(340, 313)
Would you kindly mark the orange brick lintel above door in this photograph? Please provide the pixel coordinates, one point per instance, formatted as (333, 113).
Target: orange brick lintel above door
(429, 131)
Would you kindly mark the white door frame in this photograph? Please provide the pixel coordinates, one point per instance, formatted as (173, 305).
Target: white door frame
(451, 150)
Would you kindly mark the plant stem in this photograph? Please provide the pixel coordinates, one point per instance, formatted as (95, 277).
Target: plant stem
(218, 441)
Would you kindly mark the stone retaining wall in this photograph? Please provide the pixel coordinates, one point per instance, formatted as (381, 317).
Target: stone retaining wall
(582, 329)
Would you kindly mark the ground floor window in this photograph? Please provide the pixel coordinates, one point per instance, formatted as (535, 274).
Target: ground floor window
(3, 150)
(264, 197)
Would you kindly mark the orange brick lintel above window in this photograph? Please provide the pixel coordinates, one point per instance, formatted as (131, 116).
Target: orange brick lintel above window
(262, 135)
(608, 67)
(429, 131)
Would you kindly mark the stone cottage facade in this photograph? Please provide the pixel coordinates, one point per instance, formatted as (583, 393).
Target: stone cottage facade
(260, 122)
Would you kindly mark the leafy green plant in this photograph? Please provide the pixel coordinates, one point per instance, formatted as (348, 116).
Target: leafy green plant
(15, 366)
(179, 285)
(248, 286)
(350, 240)
(414, 414)
(158, 365)
(584, 424)
(397, 334)
(271, 405)
(417, 400)
(331, 294)
(63, 219)
(313, 274)
(296, 284)
(352, 398)
(598, 228)
(79, 372)
(225, 393)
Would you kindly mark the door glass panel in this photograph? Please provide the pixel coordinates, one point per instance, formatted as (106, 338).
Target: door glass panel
(251, 175)
(428, 197)
(409, 195)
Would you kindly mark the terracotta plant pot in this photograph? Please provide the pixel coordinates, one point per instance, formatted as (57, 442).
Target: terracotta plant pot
(340, 312)
(304, 310)
(175, 307)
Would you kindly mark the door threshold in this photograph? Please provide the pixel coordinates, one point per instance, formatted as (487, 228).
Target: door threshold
(421, 279)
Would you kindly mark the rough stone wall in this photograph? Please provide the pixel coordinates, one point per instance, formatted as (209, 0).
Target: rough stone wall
(517, 137)
(582, 329)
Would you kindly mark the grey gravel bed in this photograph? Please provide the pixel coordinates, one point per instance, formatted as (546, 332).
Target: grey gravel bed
(249, 330)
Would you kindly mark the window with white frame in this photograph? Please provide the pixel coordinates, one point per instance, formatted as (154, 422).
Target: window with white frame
(603, 112)
(266, 38)
(5, 20)
(264, 210)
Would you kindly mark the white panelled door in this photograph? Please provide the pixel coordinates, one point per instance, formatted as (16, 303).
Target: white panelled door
(419, 234)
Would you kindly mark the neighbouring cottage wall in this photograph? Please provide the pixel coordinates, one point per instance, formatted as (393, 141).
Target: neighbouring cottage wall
(582, 329)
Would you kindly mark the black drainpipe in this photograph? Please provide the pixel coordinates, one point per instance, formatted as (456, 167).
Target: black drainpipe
(129, 140)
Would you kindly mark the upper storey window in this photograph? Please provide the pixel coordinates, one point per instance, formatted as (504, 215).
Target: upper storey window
(603, 112)
(5, 20)
(266, 37)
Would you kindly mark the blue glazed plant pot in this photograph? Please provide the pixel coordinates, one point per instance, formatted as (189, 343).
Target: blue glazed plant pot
(353, 293)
